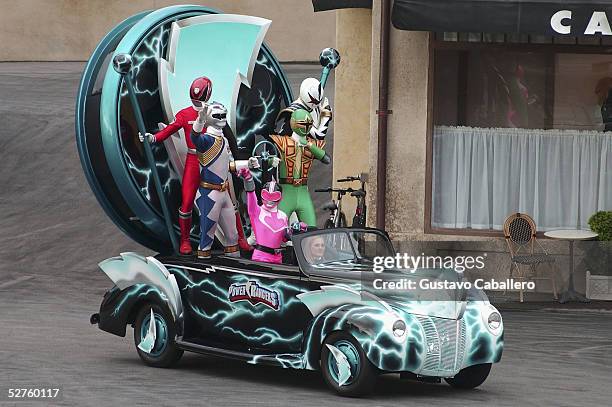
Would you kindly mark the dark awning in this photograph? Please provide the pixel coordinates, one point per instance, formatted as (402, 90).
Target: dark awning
(324, 5)
(571, 17)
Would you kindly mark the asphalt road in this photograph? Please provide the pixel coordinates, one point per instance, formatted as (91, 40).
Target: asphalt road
(53, 233)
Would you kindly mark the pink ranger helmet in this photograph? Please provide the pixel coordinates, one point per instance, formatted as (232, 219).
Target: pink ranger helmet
(271, 192)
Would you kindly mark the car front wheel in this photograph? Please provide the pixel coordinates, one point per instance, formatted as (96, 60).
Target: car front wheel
(470, 377)
(163, 351)
(345, 366)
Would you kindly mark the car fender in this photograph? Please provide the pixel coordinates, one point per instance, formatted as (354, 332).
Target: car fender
(119, 307)
(370, 321)
(482, 345)
(136, 278)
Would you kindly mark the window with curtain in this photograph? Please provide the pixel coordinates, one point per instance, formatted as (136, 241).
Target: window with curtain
(520, 128)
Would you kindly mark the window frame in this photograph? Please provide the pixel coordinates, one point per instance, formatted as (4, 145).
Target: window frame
(548, 49)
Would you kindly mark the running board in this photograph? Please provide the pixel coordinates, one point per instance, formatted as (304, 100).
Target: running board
(286, 360)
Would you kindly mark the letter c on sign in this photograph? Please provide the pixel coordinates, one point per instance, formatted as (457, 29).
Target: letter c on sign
(556, 21)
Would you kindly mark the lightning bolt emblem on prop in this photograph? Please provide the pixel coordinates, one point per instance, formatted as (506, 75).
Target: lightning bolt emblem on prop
(223, 47)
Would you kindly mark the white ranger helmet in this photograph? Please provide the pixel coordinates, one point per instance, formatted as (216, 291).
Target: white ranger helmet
(311, 92)
(216, 115)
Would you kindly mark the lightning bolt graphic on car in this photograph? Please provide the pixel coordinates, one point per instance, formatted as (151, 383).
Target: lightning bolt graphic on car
(223, 47)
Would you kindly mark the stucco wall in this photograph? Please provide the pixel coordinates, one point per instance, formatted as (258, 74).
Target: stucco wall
(407, 126)
(352, 99)
(407, 132)
(68, 30)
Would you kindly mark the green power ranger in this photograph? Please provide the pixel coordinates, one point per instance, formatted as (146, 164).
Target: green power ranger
(298, 151)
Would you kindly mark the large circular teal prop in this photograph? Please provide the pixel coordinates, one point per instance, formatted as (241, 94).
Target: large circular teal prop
(111, 155)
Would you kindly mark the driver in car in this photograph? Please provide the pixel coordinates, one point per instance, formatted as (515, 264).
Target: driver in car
(316, 250)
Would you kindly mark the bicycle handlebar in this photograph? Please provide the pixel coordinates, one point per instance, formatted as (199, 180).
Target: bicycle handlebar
(342, 191)
(349, 179)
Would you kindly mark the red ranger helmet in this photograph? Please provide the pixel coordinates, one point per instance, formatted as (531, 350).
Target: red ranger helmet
(200, 91)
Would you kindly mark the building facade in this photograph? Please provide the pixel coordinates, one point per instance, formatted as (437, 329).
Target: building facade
(492, 109)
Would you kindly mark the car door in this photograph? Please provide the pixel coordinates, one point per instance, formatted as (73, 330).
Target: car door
(204, 294)
(267, 316)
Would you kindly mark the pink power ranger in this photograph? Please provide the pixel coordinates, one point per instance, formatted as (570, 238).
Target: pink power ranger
(270, 224)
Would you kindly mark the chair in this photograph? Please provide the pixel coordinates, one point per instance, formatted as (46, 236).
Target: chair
(520, 234)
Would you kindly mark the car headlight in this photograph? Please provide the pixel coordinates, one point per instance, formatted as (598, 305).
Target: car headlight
(399, 328)
(494, 321)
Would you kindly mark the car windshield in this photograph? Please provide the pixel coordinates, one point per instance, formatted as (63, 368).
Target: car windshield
(369, 245)
(344, 248)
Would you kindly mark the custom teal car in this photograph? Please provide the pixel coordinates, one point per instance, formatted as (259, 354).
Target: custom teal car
(315, 311)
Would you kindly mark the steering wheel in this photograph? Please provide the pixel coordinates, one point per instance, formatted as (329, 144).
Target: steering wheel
(263, 151)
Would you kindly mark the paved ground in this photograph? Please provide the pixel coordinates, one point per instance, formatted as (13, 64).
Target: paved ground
(52, 234)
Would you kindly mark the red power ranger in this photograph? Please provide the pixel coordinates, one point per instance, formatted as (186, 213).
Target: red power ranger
(199, 92)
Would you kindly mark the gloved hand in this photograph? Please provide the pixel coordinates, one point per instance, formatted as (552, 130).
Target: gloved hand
(325, 105)
(325, 114)
(247, 179)
(326, 159)
(201, 107)
(317, 133)
(297, 227)
(150, 137)
(245, 173)
(253, 163)
(273, 162)
(200, 122)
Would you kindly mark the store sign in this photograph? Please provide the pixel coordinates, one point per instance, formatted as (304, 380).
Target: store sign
(561, 22)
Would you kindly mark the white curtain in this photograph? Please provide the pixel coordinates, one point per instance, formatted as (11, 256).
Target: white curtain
(480, 176)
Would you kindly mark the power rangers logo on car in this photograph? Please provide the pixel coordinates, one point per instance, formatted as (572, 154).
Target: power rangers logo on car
(255, 294)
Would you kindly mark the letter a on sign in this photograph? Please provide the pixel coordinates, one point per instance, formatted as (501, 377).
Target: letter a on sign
(598, 24)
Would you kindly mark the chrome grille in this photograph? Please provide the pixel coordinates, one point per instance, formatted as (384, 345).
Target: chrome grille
(460, 345)
(447, 335)
(432, 345)
(445, 343)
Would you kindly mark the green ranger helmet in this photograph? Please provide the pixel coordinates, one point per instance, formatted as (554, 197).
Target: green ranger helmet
(301, 123)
